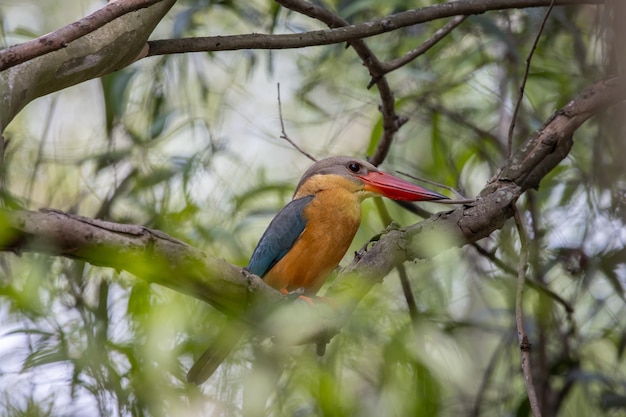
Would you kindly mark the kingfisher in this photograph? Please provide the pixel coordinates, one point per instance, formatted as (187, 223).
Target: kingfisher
(308, 238)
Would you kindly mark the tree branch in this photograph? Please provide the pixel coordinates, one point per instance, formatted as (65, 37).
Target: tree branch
(429, 43)
(283, 132)
(522, 87)
(345, 33)
(17, 54)
(524, 343)
(149, 254)
(108, 48)
(160, 259)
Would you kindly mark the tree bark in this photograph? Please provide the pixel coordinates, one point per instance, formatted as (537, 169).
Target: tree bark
(109, 48)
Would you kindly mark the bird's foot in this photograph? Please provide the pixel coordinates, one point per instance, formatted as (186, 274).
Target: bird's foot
(297, 294)
(309, 299)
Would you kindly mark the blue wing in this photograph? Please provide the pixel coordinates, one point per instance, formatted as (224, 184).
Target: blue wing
(279, 236)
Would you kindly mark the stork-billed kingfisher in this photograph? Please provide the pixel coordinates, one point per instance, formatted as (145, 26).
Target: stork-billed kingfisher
(309, 236)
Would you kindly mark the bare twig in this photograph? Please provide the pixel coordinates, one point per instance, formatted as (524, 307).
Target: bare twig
(283, 134)
(408, 293)
(464, 200)
(524, 343)
(535, 285)
(402, 274)
(484, 136)
(341, 32)
(420, 50)
(460, 201)
(59, 39)
(525, 78)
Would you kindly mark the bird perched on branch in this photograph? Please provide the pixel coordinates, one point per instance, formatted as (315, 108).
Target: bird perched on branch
(309, 236)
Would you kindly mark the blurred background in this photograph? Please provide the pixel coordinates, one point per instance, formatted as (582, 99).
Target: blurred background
(190, 144)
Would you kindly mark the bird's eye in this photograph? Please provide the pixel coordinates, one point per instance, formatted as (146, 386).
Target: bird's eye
(354, 167)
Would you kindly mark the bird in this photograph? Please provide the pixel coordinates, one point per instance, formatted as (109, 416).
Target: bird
(307, 239)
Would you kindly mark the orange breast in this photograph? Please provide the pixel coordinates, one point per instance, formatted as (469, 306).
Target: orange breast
(333, 218)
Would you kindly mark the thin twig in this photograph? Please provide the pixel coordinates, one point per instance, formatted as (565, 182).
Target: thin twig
(414, 208)
(284, 135)
(408, 293)
(439, 34)
(525, 78)
(535, 285)
(39, 161)
(524, 343)
(342, 33)
(484, 136)
(463, 200)
(488, 373)
(404, 277)
(459, 201)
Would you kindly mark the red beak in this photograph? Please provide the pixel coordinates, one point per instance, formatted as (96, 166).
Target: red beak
(398, 189)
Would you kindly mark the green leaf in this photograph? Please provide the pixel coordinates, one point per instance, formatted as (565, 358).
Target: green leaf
(439, 150)
(155, 177)
(280, 189)
(115, 90)
(375, 136)
(45, 356)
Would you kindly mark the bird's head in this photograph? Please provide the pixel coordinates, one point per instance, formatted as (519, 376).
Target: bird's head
(360, 177)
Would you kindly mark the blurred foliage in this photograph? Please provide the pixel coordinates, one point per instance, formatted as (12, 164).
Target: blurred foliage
(189, 144)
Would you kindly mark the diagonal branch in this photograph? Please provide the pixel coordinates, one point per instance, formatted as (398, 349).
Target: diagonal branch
(153, 256)
(112, 46)
(524, 343)
(17, 54)
(149, 254)
(424, 47)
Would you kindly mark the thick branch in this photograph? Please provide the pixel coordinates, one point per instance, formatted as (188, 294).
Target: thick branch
(112, 46)
(17, 54)
(149, 254)
(345, 33)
